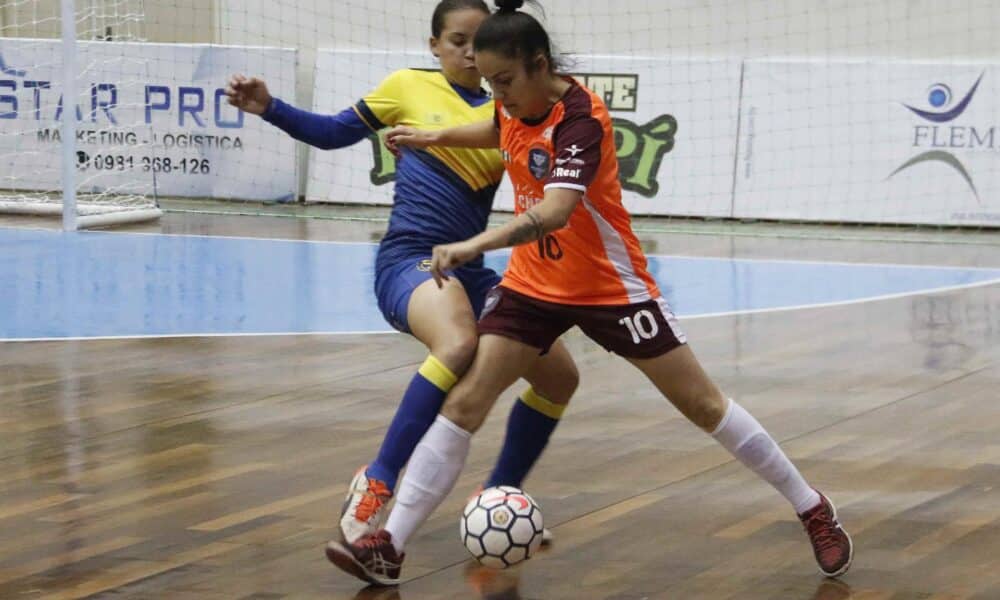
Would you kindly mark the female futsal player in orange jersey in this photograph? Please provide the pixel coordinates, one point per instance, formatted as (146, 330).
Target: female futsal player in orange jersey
(576, 262)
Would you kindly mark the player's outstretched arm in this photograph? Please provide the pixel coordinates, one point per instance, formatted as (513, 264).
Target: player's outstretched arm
(476, 135)
(248, 94)
(551, 214)
(322, 131)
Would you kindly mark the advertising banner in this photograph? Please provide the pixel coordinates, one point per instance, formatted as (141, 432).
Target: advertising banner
(153, 119)
(675, 129)
(869, 142)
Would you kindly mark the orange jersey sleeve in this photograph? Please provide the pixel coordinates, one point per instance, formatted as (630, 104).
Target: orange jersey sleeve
(596, 259)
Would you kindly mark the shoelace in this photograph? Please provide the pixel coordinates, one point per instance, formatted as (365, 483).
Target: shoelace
(372, 541)
(382, 556)
(821, 528)
(372, 501)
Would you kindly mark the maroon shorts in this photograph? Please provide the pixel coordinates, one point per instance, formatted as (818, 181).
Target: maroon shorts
(643, 330)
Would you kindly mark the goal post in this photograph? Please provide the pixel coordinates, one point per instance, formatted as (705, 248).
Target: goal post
(50, 51)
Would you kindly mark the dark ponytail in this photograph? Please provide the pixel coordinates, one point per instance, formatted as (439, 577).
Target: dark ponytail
(444, 7)
(508, 6)
(515, 34)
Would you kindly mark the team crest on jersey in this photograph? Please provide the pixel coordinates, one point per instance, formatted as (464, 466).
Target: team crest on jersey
(539, 162)
(424, 265)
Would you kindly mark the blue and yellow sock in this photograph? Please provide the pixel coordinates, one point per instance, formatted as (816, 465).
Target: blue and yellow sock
(532, 421)
(419, 407)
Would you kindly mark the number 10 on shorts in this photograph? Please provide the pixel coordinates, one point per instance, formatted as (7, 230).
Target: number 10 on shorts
(642, 326)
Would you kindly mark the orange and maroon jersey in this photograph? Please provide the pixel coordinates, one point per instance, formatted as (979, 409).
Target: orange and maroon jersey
(596, 259)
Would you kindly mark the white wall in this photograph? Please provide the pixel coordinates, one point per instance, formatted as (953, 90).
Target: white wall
(929, 31)
(948, 30)
(861, 29)
(909, 29)
(154, 21)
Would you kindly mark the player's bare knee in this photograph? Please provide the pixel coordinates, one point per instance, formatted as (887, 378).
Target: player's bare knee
(458, 351)
(557, 382)
(709, 409)
(465, 412)
(570, 381)
(563, 387)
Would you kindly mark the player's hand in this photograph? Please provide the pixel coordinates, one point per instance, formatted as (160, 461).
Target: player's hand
(412, 137)
(249, 95)
(450, 256)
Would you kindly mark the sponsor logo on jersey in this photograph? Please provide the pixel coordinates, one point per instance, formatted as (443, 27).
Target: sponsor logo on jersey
(563, 172)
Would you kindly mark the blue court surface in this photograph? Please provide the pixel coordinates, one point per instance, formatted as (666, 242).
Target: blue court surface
(95, 284)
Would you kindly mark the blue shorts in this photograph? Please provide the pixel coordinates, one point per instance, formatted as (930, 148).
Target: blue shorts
(395, 284)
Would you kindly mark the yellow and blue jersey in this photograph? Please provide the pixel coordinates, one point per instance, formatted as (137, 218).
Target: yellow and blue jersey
(442, 195)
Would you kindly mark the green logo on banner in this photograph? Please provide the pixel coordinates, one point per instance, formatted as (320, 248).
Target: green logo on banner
(641, 149)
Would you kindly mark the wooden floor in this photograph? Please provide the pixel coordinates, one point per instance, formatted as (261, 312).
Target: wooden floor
(214, 467)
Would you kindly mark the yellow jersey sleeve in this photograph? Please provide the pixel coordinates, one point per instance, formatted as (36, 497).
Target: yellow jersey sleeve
(383, 106)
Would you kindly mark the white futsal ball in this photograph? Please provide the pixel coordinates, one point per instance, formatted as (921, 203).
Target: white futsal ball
(501, 526)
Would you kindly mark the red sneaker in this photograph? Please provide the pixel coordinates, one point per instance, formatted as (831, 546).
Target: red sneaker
(372, 558)
(832, 546)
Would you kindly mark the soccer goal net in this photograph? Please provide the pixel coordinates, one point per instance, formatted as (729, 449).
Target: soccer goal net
(99, 170)
(856, 111)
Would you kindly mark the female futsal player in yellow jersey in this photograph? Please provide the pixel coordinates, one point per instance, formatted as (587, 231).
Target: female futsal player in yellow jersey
(441, 195)
(576, 262)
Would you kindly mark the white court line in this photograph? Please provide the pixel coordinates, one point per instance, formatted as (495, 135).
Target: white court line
(750, 311)
(824, 262)
(507, 250)
(193, 335)
(193, 235)
(231, 237)
(928, 291)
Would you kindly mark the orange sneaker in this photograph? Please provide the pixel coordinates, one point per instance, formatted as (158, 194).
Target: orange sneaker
(364, 507)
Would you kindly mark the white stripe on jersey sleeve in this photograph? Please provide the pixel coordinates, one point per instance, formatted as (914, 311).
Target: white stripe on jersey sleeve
(566, 186)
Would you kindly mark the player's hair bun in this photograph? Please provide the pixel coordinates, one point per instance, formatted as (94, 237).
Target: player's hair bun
(508, 6)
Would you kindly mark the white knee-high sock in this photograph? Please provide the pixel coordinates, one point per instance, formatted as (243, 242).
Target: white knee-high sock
(430, 475)
(747, 440)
